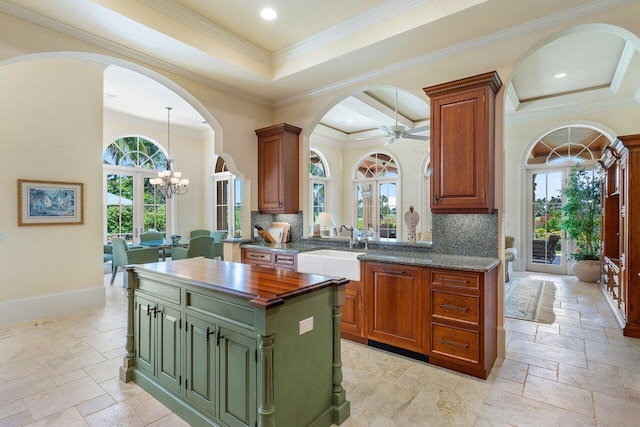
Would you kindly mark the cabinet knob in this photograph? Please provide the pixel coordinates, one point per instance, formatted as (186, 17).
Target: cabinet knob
(435, 200)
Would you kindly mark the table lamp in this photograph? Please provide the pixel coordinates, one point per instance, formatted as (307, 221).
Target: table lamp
(325, 220)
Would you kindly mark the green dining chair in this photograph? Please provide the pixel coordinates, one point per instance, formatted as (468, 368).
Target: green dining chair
(198, 246)
(122, 255)
(196, 233)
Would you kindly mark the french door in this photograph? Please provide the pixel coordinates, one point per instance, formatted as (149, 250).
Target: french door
(132, 204)
(377, 208)
(546, 245)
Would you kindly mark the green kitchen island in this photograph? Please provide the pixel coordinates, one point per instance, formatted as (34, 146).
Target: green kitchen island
(227, 344)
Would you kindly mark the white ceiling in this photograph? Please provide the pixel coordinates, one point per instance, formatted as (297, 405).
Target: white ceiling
(317, 46)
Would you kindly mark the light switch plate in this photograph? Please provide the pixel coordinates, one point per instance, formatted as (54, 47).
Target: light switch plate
(1, 237)
(306, 325)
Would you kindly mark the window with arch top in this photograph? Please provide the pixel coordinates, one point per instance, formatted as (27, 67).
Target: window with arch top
(318, 181)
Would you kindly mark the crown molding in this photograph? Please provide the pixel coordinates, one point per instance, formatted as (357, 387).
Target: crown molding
(494, 38)
(209, 28)
(119, 49)
(586, 106)
(346, 28)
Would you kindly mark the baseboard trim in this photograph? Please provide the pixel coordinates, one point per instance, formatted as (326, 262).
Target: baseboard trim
(52, 305)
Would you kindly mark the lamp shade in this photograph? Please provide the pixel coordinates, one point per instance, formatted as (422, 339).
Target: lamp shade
(326, 220)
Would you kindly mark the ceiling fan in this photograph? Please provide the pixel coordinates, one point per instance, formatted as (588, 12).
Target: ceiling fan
(399, 131)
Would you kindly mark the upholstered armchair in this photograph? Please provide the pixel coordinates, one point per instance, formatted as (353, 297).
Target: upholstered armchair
(196, 233)
(510, 255)
(218, 246)
(122, 255)
(151, 236)
(198, 246)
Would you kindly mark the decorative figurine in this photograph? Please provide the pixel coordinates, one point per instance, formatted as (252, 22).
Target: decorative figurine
(411, 218)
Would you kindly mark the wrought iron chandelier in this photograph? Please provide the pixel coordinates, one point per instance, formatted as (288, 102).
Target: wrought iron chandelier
(170, 182)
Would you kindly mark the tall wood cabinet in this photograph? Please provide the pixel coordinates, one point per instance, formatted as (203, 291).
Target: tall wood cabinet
(620, 219)
(462, 144)
(278, 164)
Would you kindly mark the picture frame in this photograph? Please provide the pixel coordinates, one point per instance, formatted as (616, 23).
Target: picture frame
(50, 203)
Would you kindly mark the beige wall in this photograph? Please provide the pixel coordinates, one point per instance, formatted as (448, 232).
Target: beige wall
(51, 130)
(517, 143)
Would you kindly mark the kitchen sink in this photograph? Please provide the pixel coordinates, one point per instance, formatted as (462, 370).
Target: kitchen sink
(330, 262)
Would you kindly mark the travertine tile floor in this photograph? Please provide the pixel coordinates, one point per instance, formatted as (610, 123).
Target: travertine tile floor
(577, 371)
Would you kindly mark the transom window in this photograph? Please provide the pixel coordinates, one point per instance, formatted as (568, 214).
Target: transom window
(135, 151)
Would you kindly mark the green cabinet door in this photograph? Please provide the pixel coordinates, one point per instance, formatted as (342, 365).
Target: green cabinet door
(145, 343)
(237, 379)
(169, 347)
(202, 365)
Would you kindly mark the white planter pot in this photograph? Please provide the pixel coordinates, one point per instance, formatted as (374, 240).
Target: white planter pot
(586, 271)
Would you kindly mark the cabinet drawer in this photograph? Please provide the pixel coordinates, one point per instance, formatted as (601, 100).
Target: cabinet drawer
(463, 308)
(454, 342)
(462, 280)
(257, 257)
(285, 261)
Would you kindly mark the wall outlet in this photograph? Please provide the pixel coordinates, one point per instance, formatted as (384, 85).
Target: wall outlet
(1, 237)
(306, 325)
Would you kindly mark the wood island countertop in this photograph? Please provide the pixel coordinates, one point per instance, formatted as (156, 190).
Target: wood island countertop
(261, 287)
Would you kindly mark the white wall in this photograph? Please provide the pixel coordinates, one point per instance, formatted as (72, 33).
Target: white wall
(51, 130)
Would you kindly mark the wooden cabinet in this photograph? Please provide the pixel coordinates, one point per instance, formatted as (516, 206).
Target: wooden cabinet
(221, 343)
(462, 319)
(268, 258)
(352, 320)
(621, 253)
(394, 305)
(278, 169)
(462, 144)
(448, 315)
(220, 370)
(159, 339)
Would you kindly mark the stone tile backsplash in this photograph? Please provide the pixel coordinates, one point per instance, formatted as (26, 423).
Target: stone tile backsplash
(466, 234)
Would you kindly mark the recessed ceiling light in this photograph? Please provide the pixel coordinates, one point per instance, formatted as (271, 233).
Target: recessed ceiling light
(268, 14)
(560, 75)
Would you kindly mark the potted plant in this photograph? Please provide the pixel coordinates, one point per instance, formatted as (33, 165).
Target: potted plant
(581, 221)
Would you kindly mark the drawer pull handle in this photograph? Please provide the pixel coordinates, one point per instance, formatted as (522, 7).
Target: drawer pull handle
(384, 270)
(256, 256)
(444, 279)
(454, 344)
(453, 307)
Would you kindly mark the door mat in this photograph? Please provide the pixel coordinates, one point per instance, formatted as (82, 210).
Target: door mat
(529, 299)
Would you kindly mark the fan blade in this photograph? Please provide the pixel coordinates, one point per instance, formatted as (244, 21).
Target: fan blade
(390, 141)
(417, 130)
(419, 137)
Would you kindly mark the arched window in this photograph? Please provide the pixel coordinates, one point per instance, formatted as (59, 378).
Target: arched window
(132, 203)
(227, 196)
(318, 181)
(377, 193)
(548, 166)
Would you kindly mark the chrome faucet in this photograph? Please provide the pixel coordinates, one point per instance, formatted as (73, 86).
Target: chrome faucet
(350, 229)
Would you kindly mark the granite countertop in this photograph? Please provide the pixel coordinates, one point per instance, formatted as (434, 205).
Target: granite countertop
(422, 259)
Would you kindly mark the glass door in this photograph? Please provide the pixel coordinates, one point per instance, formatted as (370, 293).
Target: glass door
(376, 207)
(133, 205)
(388, 210)
(546, 243)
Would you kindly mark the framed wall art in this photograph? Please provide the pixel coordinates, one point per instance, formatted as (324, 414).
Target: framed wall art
(50, 203)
